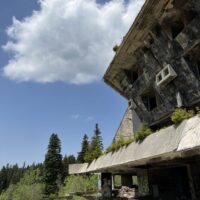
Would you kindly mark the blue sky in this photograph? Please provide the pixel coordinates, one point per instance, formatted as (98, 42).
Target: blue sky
(51, 67)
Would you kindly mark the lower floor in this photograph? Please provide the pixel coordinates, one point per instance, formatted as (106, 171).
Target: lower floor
(169, 180)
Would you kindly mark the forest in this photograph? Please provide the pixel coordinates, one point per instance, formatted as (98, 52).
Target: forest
(50, 179)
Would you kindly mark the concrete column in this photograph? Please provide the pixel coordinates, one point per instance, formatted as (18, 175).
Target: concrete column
(143, 182)
(191, 183)
(106, 185)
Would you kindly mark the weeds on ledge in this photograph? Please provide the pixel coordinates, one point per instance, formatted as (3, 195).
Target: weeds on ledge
(181, 114)
(118, 144)
(115, 48)
(143, 132)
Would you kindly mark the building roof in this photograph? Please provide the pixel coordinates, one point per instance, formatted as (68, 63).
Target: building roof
(136, 37)
(175, 141)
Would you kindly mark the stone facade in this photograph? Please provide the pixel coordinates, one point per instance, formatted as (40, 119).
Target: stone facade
(158, 64)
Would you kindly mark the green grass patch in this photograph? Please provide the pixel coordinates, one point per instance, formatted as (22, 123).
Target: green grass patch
(143, 132)
(79, 183)
(181, 114)
(118, 144)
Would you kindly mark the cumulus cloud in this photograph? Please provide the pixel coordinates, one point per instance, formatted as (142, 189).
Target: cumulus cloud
(69, 41)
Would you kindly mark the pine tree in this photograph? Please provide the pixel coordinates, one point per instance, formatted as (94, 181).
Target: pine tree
(97, 132)
(53, 165)
(66, 161)
(84, 149)
(96, 146)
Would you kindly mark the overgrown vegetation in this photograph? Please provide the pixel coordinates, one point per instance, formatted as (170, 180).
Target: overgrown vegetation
(84, 184)
(48, 178)
(118, 144)
(85, 145)
(143, 132)
(30, 186)
(95, 149)
(181, 114)
(115, 48)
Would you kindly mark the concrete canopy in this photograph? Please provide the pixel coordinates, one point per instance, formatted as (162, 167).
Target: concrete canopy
(176, 141)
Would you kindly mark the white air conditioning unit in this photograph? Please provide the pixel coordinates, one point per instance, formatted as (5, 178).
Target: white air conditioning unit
(166, 75)
(131, 104)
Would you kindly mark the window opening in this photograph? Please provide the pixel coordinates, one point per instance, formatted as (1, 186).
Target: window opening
(176, 28)
(150, 100)
(131, 75)
(159, 78)
(117, 181)
(193, 61)
(166, 71)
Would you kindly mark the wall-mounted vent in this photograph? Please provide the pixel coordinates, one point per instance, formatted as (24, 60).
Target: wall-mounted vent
(131, 104)
(166, 75)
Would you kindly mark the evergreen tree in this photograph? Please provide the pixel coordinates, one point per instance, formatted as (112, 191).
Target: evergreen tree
(96, 146)
(66, 161)
(71, 159)
(84, 150)
(97, 133)
(53, 165)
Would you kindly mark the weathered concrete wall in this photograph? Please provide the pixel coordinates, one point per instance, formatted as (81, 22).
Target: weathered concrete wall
(169, 143)
(125, 129)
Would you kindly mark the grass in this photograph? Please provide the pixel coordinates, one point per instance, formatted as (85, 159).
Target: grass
(118, 144)
(181, 114)
(143, 132)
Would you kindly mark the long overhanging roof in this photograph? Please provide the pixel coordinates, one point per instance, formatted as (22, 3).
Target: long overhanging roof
(151, 11)
(175, 141)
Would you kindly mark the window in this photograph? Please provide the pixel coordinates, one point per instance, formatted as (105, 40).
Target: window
(176, 28)
(150, 99)
(193, 61)
(166, 71)
(166, 75)
(131, 75)
(117, 181)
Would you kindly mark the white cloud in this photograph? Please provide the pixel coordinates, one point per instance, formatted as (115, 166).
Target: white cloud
(75, 116)
(90, 118)
(68, 41)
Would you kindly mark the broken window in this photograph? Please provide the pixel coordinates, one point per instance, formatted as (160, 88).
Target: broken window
(150, 99)
(193, 60)
(131, 75)
(176, 28)
(189, 16)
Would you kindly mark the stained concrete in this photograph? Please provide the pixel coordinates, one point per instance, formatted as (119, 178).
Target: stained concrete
(165, 144)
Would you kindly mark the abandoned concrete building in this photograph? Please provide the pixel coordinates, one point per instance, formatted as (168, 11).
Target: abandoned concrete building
(157, 69)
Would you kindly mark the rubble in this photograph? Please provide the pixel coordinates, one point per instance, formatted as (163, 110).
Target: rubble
(128, 192)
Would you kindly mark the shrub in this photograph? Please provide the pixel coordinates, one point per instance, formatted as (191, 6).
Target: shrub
(80, 183)
(118, 144)
(115, 48)
(143, 132)
(181, 114)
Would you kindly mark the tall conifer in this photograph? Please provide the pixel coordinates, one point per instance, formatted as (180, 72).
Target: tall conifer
(53, 165)
(96, 145)
(84, 149)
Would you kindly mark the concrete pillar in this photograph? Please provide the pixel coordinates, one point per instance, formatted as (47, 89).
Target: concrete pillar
(191, 183)
(106, 185)
(143, 182)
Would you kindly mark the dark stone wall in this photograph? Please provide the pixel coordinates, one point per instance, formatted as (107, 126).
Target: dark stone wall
(169, 183)
(162, 50)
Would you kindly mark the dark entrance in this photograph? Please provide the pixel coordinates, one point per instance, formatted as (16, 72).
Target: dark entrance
(170, 184)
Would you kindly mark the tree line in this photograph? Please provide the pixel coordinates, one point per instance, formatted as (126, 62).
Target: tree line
(49, 176)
